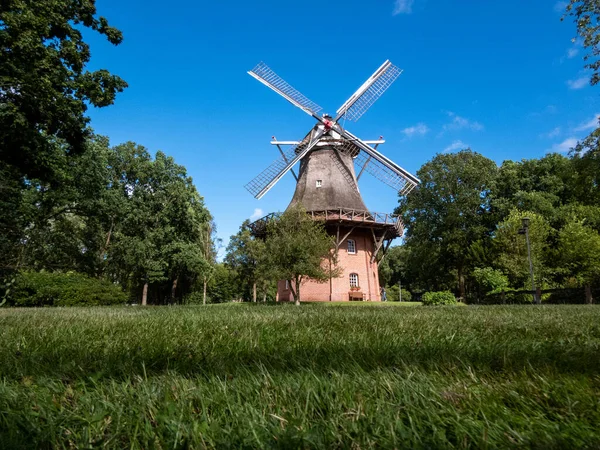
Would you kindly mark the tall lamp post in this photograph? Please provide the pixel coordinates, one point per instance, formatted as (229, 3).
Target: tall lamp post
(525, 230)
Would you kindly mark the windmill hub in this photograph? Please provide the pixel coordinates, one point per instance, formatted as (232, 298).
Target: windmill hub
(327, 186)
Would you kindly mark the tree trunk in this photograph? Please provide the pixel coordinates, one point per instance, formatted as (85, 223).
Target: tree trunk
(107, 242)
(265, 296)
(204, 294)
(145, 294)
(297, 299)
(254, 292)
(461, 284)
(588, 295)
(174, 289)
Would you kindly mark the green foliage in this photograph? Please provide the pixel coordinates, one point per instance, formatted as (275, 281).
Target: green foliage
(394, 267)
(63, 289)
(247, 258)
(193, 298)
(490, 281)
(223, 286)
(512, 248)
(579, 247)
(117, 214)
(44, 87)
(446, 214)
(586, 16)
(393, 294)
(297, 247)
(438, 298)
(178, 377)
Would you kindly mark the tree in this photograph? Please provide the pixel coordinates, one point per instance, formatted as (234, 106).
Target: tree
(164, 231)
(579, 248)
(586, 155)
(117, 214)
(297, 248)
(512, 248)
(393, 268)
(537, 185)
(586, 15)
(246, 256)
(490, 281)
(447, 213)
(44, 87)
(208, 247)
(223, 286)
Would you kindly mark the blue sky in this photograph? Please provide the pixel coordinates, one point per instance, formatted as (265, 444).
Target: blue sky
(503, 78)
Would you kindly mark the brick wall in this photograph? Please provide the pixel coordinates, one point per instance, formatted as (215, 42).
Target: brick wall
(359, 263)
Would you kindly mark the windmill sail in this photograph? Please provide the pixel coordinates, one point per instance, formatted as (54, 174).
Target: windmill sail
(266, 76)
(384, 174)
(369, 92)
(382, 167)
(264, 181)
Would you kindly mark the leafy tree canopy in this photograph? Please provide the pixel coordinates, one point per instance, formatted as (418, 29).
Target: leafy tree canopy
(44, 87)
(297, 248)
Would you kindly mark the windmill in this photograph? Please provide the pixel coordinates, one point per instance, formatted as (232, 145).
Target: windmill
(327, 184)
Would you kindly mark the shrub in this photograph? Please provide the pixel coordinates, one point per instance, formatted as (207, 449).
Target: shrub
(439, 298)
(63, 289)
(393, 294)
(194, 298)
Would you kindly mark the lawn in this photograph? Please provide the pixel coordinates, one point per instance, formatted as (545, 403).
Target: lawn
(300, 377)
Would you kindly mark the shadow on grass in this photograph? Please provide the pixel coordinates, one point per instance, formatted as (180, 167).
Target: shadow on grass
(186, 360)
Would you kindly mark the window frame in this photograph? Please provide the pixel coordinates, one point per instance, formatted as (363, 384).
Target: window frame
(353, 251)
(356, 283)
(319, 183)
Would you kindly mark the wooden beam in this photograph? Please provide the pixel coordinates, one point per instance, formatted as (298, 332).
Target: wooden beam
(385, 249)
(286, 160)
(378, 246)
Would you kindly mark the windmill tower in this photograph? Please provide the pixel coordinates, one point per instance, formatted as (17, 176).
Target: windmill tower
(327, 186)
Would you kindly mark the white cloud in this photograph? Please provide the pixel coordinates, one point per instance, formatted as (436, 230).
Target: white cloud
(403, 7)
(258, 213)
(579, 83)
(419, 129)
(460, 123)
(552, 134)
(572, 52)
(565, 146)
(456, 145)
(560, 7)
(591, 124)
(550, 109)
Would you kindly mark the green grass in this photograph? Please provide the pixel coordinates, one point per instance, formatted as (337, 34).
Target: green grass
(260, 376)
(351, 304)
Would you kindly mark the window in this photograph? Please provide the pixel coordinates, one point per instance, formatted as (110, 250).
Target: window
(287, 285)
(351, 246)
(319, 183)
(353, 280)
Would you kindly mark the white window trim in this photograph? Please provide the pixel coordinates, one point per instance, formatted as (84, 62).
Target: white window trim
(353, 251)
(287, 285)
(350, 277)
(319, 183)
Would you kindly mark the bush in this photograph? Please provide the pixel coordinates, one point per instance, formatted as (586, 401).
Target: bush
(393, 294)
(194, 298)
(63, 289)
(439, 298)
